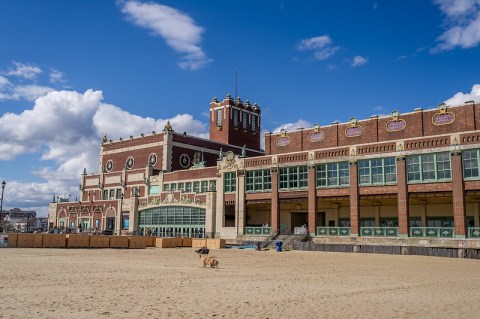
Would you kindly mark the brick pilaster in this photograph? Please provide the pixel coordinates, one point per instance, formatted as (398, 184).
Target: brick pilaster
(354, 201)
(402, 197)
(458, 195)
(312, 201)
(275, 201)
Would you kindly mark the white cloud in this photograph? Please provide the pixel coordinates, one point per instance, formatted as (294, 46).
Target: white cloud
(358, 61)
(289, 127)
(28, 92)
(321, 45)
(25, 71)
(460, 98)
(66, 128)
(462, 21)
(175, 27)
(56, 76)
(314, 43)
(4, 82)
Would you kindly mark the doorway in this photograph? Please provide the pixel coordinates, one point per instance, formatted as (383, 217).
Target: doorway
(298, 219)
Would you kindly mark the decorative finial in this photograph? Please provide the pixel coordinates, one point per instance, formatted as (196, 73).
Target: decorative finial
(215, 99)
(244, 154)
(220, 155)
(104, 140)
(84, 171)
(168, 127)
(229, 96)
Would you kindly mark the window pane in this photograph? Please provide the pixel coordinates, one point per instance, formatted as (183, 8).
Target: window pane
(413, 168)
(443, 166)
(470, 163)
(428, 167)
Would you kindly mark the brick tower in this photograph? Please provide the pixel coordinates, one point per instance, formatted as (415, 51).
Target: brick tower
(235, 122)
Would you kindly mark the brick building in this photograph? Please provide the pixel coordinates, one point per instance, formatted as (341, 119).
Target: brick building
(400, 177)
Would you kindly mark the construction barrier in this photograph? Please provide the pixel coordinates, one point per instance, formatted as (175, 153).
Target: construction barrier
(29, 240)
(12, 241)
(186, 242)
(54, 241)
(99, 241)
(214, 243)
(165, 242)
(137, 242)
(119, 242)
(199, 242)
(150, 241)
(78, 241)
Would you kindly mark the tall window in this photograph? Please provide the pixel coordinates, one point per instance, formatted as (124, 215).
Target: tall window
(245, 120)
(259, 180)
(230, 182)
(254, 123)
(333, 174)
(377, 171)
(470, 164)
(219, 118)
(429, 167)
(293, 177)
(235, 117)
(204, 186)
(196, 187)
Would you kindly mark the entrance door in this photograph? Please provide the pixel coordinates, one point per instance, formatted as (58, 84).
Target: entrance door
(298, 220)
(110, 223)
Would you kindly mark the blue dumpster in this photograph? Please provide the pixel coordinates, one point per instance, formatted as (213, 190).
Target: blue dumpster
(279, 246)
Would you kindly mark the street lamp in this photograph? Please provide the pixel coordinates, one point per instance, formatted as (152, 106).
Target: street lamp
(1, 203)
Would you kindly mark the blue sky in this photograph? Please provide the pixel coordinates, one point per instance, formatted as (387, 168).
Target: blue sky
(71, 71)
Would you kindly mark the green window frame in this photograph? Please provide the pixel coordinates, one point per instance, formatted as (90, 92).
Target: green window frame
(173, 187)
(188, 187)
(230, 182)
(181, 187)
(471, 164)
(430, 167)
(204, 186)
(333, 175)
(196, 187)
(377, 171)
(213, 185)
(294, 177)
(166, 187)
(258, 181)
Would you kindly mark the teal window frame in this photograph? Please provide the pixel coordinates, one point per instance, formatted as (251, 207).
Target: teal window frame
(173, 187)
(166, 187)
(204, 186)
(181, 187)
(196, 187)
(332, 174)
(188, 187)
(428, 168)
(258, 181)
(471, 164)
(230, 182)
(293, 177)
(377, 171)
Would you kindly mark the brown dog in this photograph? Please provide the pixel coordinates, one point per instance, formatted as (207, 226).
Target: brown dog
(209, 261)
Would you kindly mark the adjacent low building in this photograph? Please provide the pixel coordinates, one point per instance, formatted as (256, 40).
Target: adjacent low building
(404, 176)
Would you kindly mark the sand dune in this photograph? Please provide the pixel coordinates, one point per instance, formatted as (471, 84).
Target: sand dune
(170, 283)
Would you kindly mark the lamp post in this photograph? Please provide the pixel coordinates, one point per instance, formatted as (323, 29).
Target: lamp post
(1, 204)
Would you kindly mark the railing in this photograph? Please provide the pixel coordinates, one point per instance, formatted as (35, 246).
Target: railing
(249, 230)
(447, 232)
(473, 232)
(333, 231)
(379, 231)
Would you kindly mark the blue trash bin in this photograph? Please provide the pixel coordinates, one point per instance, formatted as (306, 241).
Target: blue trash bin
(279, 246)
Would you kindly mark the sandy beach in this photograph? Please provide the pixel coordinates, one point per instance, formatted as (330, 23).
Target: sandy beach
(170, 283)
